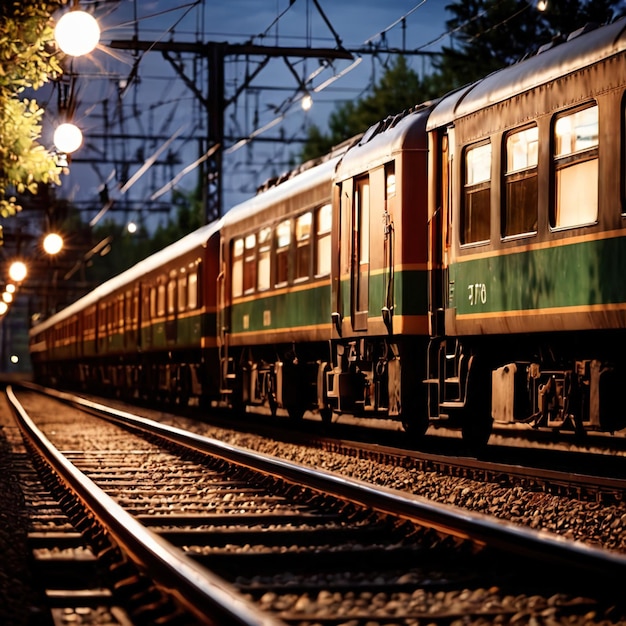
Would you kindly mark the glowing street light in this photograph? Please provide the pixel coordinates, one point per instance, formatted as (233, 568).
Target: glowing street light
(17, 271)
(52, 243)
(77, 33)
(307, 102)
(67, 137)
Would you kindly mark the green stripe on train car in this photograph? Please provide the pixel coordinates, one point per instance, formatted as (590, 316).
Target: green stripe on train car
(287, 309)
(410, 293)
(579, 274)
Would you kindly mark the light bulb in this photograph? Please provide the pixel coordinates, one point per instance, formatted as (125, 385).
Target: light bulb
(68, 138)
(77, 33)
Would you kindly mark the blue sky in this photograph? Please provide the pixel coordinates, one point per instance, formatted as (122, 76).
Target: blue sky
(158, 105)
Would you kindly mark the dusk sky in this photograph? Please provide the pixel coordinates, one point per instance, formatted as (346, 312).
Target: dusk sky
(158, 104)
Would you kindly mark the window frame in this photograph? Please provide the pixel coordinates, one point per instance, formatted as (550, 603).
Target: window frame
(470, 190)
(525, 177)
(580, 159)
(302, 242)
(323, 239)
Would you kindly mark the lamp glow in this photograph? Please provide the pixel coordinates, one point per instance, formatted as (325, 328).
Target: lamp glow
(7, 297)
(53, 243)
(17, 271)
(307, 102)
(67, 137)
(77, 33)
(4, 307)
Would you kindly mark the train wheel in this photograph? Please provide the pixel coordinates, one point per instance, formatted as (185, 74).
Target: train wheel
(327, 415)
(477, 423)
(295, 412)
(476, 431)
(415, 425)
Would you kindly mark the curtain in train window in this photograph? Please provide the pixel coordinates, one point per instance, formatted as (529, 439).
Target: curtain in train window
(476, 209)
(161, 300)
(153, 302)
(324, 225)
(249, 264)
(283, 240)
(182, 292)
(171, 295)
(520, 181)
(303, 246)
(120, 313)
(236, 278)
(192, 291)
(576, 169)
(265, 248)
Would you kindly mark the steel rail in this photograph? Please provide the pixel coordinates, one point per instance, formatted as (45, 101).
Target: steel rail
(481, 529)
(209, 598)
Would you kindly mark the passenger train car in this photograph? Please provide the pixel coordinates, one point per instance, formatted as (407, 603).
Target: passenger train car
(459, 263)
(148, 332)
(527, 210)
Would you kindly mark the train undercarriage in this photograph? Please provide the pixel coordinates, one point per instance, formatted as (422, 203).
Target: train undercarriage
(373, 378)
(574, 384)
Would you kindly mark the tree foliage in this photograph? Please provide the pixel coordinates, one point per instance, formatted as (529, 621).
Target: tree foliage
(490, 34)
(399, 88)
(28, 59)
(130, 249)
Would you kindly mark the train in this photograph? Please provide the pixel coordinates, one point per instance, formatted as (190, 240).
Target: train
(460, 263)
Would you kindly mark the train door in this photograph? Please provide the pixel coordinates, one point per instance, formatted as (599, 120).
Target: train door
(438, 360)
(439, 229)
(229, 279)
(360, 255)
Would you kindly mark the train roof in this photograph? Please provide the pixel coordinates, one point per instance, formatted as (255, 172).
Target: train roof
(187, 243)
(582, 48)
(297, 183)
(385, 138)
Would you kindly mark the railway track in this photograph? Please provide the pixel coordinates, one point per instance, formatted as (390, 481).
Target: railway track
(281, 543)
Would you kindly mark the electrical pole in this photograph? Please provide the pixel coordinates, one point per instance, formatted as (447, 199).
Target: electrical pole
(214, 101)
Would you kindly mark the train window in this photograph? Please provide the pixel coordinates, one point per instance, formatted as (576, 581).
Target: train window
(182, 292)
(390, 179)
(520, 181)
(265, 244)
(237, 275)
(476, 209)
(153, 302)
(192, 291)
(128, 307)
(171, 295)
(249, 264)
(576, 169)
(303, 246)
(324, 225)
(283, 239)
(111, 318)
(161, 299)
(120, 313)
